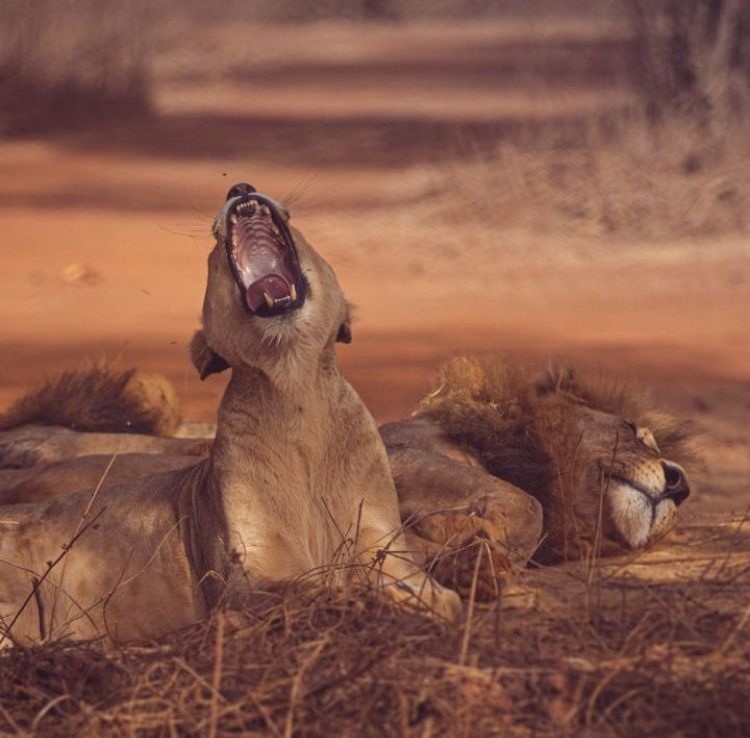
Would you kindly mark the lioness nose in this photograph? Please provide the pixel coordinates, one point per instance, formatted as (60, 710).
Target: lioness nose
(677, 487)
(243, 188)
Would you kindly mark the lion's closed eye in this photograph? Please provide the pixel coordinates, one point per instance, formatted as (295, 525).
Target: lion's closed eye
(646, 437)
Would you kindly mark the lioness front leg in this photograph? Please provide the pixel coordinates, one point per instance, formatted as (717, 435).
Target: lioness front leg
(394, 572)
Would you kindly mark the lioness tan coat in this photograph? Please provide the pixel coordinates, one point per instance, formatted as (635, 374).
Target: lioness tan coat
(297, 480)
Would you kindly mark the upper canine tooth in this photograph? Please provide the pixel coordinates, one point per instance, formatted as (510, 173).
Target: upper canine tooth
(233, 219)
(293, 292)
(269, 300)
(235, 241)
(264, 210)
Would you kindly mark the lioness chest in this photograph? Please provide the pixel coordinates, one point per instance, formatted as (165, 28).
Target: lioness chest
(290, 513)
(302, 525)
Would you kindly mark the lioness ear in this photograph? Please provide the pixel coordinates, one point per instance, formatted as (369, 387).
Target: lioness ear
(345, 329)
(345, 333)
(205, 360)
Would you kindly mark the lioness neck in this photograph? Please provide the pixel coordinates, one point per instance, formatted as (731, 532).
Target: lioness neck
(284, 465)
(284, 430)
(254, 402)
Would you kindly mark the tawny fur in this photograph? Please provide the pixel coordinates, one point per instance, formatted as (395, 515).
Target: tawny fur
(100, 399)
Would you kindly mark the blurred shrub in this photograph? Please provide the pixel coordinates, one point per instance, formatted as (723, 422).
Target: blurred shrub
(692, 56)
(65, 62)
(386, 10)
(642, 182)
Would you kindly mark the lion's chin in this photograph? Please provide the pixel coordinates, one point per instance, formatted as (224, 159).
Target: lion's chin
(636, 518)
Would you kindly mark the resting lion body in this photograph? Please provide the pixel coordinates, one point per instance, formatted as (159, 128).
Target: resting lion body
(54, 479)
(139, 544)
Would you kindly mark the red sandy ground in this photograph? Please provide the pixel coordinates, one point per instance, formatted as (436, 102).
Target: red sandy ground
(105, 233)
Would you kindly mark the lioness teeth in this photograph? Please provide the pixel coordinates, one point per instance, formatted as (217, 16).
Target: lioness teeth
(233, 219)
(264, 210)
(242, 207)
(269, 300)
(235, 240)
(293, 293)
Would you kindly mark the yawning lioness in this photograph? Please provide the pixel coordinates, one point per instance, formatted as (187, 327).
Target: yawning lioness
(297, 479)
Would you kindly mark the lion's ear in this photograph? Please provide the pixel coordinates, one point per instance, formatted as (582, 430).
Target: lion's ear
(205, 360)
(345, 329)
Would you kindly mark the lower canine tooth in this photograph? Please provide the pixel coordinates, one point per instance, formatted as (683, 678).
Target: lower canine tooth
(269, 300)
(264, 210)
(233, 219)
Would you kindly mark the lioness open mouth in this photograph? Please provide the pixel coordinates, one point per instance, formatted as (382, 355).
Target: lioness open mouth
(261, 253)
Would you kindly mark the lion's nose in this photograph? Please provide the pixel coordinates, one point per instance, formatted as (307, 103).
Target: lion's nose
(677, 487)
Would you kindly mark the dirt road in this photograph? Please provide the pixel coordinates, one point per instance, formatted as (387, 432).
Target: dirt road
(105, 232)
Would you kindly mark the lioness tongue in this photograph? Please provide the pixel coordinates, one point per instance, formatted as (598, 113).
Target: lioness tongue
(274, 286)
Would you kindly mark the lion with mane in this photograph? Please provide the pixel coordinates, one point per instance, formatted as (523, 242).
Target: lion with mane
(547, 467)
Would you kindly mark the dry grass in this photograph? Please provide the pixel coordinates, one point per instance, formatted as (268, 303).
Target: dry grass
(640, 183)
(600, 652)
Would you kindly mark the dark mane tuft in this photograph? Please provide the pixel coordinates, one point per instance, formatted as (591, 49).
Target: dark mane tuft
(609, 394)
(491, 408)
(100, 399)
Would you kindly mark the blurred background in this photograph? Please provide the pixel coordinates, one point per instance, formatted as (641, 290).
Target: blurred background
(533, 177)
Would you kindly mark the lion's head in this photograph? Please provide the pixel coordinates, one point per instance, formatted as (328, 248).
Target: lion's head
(606, 468)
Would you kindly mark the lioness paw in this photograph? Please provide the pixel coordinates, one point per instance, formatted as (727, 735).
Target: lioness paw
(446, 603)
